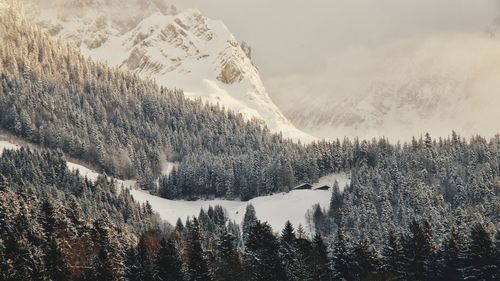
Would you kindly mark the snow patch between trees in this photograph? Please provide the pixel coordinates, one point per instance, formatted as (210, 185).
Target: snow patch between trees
(7, 145)
(275, 209)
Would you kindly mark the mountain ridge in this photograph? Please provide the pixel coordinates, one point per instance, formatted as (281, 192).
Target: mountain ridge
(183, 50)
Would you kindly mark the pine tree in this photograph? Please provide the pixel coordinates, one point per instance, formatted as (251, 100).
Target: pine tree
(335, 210)
(450, 257)
(144, 259)
(108, 264)
(320, 261)
(420, 257)
(479, 255)
(393, 253)
(104, 269)
(319, 219)
(497, 252)
(228, 260)
(261, 254)
(249, 220)
(168, 264)
(133, 272)
(365, 260)
(4, 184)
(57, 265)
(197, 263)
(341, 259)
(305, 267)
(289, 252)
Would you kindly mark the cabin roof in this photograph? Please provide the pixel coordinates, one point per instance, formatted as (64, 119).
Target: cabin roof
(303, 186)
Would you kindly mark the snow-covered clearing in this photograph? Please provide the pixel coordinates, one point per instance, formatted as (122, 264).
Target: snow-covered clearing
(6, 145)
(84, 171)
(92, 175)
(275, 209)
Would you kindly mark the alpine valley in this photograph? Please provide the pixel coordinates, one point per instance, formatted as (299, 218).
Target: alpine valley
(137, 142)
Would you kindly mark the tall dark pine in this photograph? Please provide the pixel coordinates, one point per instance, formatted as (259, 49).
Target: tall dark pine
(248, 221)
(56, 263)
(289, 252)
(304, 257)
(3, 183)
(108, 264)
(198, 269)
(168, 264)
(49, 216)
(479, 256)
(420, 256)
(261, 254)
(341, 259)
(319, 219)
(228, 259)
(393, 255)
(450, 257)
(103, 266)
(366, 261)
(336, 204)
(144, 259)
(320, 261)
(497, 253)
(133, 271)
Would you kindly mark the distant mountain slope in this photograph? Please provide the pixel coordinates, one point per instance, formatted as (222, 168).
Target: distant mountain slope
(182, 50)
(128, 127)
(431, 84)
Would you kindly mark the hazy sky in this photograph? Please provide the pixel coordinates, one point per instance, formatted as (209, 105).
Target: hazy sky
(298, 36)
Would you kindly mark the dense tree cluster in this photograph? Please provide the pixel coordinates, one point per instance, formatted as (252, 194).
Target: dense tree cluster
(53, 96)
(451, 182)
(426, 210)
(50, 243)
(293, 255)
(55, 225)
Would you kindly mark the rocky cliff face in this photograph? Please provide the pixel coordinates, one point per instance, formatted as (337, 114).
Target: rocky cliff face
(184, 49)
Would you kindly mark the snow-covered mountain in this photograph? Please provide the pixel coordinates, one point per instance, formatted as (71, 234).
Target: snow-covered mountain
(430, 84)
(184, 50)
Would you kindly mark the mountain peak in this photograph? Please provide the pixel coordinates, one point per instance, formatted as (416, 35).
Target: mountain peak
(184, 50)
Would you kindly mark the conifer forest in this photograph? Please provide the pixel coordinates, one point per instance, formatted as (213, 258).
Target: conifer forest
(419, 210)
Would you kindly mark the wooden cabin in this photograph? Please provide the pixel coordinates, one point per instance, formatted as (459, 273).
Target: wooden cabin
(324, 187)
(304, 186)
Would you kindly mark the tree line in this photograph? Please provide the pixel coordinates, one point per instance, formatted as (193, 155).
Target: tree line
(448, 181)
(128, 128)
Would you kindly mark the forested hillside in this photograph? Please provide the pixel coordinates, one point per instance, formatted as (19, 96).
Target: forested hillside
(426, 210)
(449, 182)
(53, 222)
(128, 127)
(57, 226)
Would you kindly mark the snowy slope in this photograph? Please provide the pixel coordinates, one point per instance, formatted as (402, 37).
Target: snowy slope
(7, 145)
(432, 84)
(182, 50)
(275, 209)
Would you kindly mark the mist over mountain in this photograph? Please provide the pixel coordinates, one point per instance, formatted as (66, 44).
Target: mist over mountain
(97, 159)
(424, 84)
